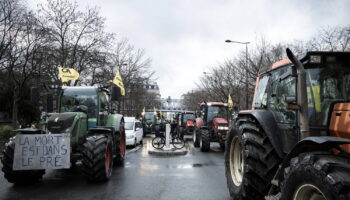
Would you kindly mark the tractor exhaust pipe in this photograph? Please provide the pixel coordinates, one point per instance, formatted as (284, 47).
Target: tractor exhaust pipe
(303, 119)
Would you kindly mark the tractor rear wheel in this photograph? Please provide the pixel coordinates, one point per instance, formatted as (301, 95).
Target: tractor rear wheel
(195, 137)
(17, 177)
(320, 176)
(97, 158)
(205, 140)
(250, 161)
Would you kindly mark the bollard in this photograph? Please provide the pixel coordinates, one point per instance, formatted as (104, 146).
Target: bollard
(167, 136)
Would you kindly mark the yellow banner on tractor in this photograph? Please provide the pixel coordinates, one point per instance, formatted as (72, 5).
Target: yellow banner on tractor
(119, 82)
(67, 74)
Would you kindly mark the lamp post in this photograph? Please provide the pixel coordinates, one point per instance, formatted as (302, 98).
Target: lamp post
(246, 67)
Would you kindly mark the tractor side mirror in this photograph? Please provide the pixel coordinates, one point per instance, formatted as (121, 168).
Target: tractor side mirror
(292, 103)
(116, 93)
(34, 94)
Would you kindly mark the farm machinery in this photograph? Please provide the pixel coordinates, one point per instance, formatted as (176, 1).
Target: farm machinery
(84, 129)
(211, 125)
(294, 144)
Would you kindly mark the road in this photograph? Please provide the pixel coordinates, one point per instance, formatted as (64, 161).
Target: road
(196, 175)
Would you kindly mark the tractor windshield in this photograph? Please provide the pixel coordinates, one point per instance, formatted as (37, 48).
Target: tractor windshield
(149, 116)
(216, 112)
(327, 83)
(188, 116)
(73, 97)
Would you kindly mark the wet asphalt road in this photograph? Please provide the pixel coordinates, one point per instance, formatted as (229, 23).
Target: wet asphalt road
(196, 175)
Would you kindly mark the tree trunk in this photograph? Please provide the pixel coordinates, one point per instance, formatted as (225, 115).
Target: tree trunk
(15, 108)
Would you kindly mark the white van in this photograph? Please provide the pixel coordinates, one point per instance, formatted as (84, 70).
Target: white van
(133, 131)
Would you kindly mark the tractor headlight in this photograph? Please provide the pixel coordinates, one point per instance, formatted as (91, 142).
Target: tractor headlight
(223, 128)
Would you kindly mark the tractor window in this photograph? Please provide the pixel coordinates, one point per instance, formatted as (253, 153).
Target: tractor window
(188, 116)
(327, 84)
(72, 97)
(216, 111)
(149, 116)
(260, 97)
(279, 90)
(103, 102)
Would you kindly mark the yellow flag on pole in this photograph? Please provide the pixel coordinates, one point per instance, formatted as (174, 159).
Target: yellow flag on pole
(119, 82)
(229, 102)
(67, 74)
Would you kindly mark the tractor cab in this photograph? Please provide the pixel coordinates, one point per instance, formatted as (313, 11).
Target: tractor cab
(185, 123)
(327, 79)
(214, 114)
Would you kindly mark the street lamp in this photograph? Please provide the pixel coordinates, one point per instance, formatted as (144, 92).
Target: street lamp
(246, 67)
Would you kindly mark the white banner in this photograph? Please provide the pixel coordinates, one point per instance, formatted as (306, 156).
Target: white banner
(42, 151)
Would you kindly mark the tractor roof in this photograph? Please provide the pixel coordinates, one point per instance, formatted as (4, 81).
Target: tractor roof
(213, 104)
(305, 59)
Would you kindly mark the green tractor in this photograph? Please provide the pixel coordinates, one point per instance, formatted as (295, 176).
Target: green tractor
(149, 121)
(94, 135)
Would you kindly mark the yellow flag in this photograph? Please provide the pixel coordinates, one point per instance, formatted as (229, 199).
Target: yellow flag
(67, 74)
(154, 109)
(119, 82)
(229, 102)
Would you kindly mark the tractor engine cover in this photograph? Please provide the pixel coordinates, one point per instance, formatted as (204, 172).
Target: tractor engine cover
(59, 122)
(219, 122)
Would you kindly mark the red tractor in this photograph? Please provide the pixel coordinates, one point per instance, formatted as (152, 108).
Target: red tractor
(185, 123)
(211, 125)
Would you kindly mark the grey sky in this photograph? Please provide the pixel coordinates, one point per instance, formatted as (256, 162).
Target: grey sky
(185, 37)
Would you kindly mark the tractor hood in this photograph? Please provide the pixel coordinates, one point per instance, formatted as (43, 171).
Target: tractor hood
(59, 122)
(219, 121)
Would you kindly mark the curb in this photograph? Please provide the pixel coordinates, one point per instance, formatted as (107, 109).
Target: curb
(168, 152)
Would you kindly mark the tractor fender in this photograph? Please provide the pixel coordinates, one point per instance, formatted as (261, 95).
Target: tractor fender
(199, 122)
(309, 144)
(114, 121)
(268, 123)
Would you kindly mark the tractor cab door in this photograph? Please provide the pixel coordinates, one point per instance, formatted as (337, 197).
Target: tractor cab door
(103, 109)
(277, 90)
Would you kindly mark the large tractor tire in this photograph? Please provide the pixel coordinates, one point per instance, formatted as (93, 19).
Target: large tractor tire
(97, 158)
(320, 176)
(17, 177)
(250, 161)
(205, 140)
(195, 138)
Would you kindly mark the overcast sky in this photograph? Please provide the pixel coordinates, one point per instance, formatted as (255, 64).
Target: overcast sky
(185, 37)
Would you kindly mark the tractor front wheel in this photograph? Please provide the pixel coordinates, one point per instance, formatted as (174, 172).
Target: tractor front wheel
(97, 158)
(17, 177)
(250, 161)
(320, 176)
(205, 140)
(195, 138)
